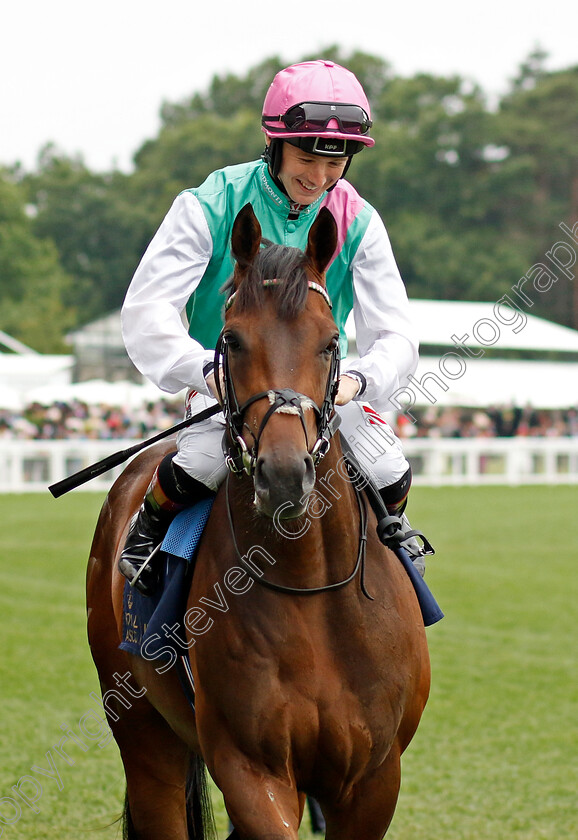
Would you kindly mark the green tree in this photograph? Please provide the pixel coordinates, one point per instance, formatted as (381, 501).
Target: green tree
(439, 264)
(226, 95)
(431, 134)
(99, 232)
(432, 176)
(472, 197)
(184, 154)
(33, 284)
(537, 124)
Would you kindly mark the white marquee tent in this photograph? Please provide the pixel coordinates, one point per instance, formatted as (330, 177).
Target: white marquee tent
(484, 382)
(447, 325)
(488, 324)
(496, 382)
(465, 329)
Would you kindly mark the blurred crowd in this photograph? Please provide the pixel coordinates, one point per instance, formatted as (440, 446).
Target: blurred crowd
(77, 420)
(495, 421)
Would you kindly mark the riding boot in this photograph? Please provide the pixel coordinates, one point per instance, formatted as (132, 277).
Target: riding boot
(395, 530)
(170, 491)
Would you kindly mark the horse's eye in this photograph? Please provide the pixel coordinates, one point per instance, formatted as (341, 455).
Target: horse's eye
(332, 346)
(232, 342)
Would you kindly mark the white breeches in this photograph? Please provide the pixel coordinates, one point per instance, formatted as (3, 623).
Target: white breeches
(372, 439)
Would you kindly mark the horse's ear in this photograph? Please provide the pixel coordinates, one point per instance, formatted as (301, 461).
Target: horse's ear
(322, 240)
(246, 236)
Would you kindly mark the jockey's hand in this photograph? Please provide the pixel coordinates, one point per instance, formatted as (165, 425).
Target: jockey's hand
(348, 388)
(212, 385)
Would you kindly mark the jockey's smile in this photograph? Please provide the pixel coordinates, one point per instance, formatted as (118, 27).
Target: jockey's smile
(307, 176)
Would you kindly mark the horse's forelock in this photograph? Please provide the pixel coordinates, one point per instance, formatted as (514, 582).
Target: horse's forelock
(275, 262)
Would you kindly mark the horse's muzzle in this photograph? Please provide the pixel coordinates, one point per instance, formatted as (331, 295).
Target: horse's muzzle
(283, 484)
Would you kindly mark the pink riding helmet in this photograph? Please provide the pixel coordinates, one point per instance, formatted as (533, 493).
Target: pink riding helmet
(317, 99)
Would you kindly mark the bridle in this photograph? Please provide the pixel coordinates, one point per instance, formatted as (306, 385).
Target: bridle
(239, 457)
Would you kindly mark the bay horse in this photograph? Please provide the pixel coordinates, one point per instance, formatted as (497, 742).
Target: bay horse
(313, 671)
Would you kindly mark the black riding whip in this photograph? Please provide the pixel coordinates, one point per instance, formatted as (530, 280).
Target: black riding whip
(88, 473)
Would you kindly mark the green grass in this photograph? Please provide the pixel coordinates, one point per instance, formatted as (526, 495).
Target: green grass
(496, 754)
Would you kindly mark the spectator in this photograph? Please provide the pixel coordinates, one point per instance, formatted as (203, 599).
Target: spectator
(79, 421)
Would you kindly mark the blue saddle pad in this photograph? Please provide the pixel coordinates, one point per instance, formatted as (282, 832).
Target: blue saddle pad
(145, 619)
(186, 528)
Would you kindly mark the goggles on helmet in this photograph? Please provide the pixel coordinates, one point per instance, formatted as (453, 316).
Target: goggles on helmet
(316, 116)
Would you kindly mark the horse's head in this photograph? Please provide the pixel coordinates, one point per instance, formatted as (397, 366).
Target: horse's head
(280, 355)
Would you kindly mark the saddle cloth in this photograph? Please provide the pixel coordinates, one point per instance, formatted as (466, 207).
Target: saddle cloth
(144, 619)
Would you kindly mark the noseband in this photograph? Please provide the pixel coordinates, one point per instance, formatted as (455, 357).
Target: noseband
(241, 458)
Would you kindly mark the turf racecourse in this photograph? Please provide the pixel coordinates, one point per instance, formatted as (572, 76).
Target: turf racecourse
(496, 755)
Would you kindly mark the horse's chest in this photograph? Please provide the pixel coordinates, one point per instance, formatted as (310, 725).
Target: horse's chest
(339, 705)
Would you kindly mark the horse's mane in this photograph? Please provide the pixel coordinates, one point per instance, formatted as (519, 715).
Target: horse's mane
(282, 263)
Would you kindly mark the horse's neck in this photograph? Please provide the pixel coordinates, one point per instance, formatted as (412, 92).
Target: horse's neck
(326, 535)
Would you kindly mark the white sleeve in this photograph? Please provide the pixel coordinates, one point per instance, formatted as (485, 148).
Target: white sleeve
(155, 336)
(386, 340)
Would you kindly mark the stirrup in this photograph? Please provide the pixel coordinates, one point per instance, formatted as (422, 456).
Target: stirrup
(391, 532)
(134, 580)
(394, 533)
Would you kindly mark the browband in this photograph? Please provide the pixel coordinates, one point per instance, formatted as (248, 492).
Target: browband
(315, 287)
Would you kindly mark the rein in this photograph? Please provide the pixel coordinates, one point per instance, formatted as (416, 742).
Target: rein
(359, 567)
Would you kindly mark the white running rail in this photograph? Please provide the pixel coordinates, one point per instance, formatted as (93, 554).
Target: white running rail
(30, 466)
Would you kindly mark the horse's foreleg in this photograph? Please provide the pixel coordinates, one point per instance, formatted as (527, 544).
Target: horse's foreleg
(261, 807)
(369, 810)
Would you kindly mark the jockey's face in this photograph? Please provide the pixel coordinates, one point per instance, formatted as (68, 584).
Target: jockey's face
(306, 176)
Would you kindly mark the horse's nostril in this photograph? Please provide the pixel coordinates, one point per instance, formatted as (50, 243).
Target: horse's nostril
(260, 471)
(309, 477)
(283, 482)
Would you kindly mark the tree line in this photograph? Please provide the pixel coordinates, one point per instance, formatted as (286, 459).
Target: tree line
(472, 194)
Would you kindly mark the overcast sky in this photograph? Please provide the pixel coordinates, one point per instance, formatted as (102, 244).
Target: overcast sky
(91, 77)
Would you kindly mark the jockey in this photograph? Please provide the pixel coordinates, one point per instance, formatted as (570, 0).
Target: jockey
(316, 117)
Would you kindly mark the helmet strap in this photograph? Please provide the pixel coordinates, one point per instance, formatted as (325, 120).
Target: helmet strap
(346, 167)
(273, 156)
